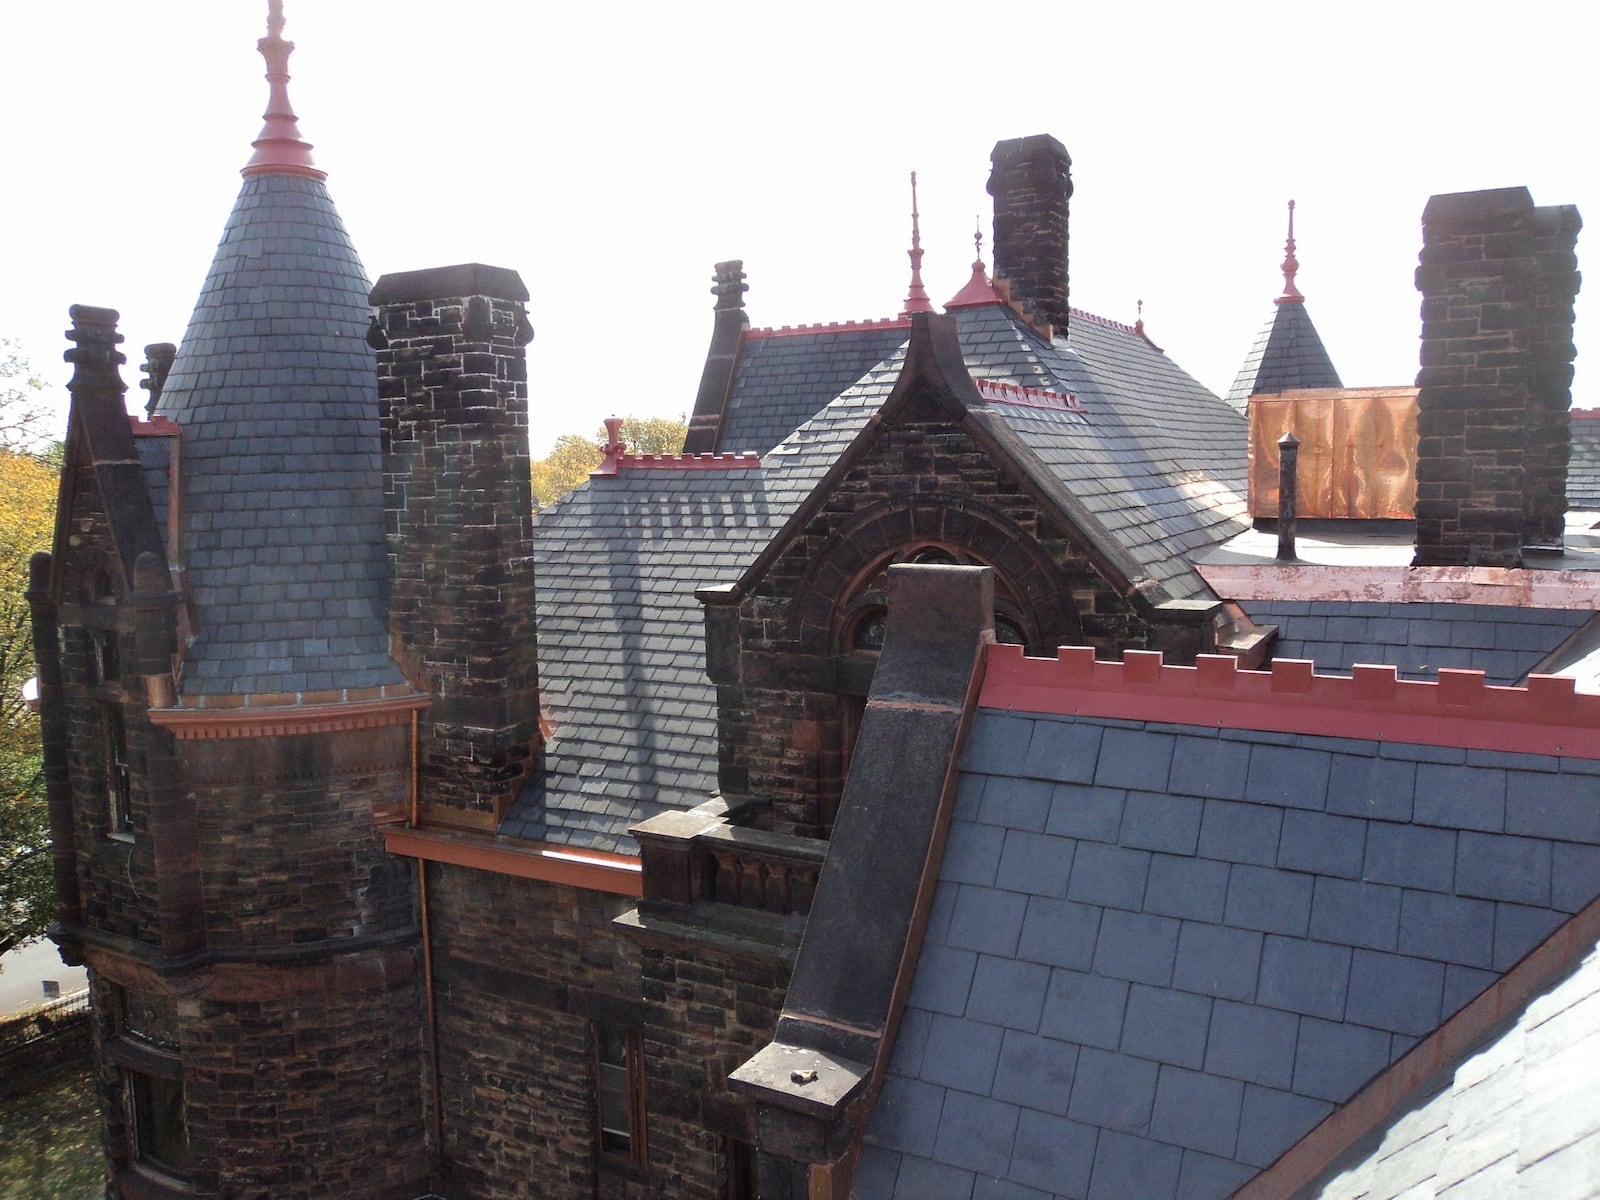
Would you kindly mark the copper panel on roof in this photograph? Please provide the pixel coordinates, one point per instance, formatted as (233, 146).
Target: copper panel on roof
(1358, 451)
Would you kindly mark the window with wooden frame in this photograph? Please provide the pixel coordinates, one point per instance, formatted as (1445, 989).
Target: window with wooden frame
(119, 790)
(145, 1050)
(619, 1092)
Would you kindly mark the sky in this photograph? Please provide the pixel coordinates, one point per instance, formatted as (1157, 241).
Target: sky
(612, 152)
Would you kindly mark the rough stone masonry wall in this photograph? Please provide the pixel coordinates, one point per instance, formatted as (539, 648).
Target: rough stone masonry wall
(452, 385)
(711, 1008)
(521, 969)
(1498, 277)
(1031, 183)
(780, 721)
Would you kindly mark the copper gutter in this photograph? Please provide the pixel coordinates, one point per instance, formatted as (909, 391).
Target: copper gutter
(436, 1115)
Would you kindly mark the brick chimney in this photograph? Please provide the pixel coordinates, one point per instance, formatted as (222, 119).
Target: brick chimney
(1031, 182)
(1497, 277)
(453, 398)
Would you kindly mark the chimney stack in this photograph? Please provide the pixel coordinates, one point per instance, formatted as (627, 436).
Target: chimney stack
(1031, 182)
(1497, 277)
(453, 402)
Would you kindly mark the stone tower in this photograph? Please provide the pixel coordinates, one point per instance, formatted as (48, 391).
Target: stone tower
(227, 732)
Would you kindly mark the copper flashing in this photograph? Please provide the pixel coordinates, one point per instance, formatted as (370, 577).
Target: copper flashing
(594, 870)
(1358, 451)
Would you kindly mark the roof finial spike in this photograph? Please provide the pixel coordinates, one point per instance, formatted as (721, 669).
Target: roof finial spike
(1138, 325)
(280, 150)
(917, 298)
(1291, 294)
(977, 240)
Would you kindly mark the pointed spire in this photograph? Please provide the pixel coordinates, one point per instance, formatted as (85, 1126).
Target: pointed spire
(1291, 294)
(917, 298)
(280, 150)
(977, 290)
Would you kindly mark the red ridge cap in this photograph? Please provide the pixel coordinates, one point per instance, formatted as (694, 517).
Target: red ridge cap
(747, 460)
(1548, 716)
(1079, 314)
(827, 327)
(156, 426)
(1586, 414)
(1010, 393)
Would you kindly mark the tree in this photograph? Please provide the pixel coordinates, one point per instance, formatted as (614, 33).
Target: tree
(29, 466)
(27, 889)
(573, 456)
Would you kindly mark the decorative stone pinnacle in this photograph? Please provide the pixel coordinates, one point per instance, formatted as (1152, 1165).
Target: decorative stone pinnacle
(1291, 294)
(728, 285)
(279, 148)
(917, 297)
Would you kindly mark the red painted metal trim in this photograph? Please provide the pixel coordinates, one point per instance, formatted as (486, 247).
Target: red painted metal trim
(1507, 587)
(747, 461)
(756, 335)
(1078, 314)
(1546, 717)
(1027, 397)
(282, 720)
(153, 427)
(595, 870)
(1585, 414)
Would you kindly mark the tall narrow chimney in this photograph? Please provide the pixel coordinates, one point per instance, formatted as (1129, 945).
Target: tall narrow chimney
(1031, 182)
(453, 401)
(1497, 277)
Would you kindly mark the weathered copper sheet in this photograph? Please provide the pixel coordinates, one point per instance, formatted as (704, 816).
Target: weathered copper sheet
(1358, 451)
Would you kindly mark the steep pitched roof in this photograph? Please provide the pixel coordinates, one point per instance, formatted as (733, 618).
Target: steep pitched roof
(785, 377)
(276, 393)
(1515, 1119)
(1155, 460)
(1159, 953)
(1583, 466)
(1288, 354)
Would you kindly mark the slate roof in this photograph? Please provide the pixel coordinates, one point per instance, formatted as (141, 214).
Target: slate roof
(1288, 354)
(1515, 1120)
(1505, 643)
(1159, 955)
(1583, 465)
(1156, 457)
(783, 379)
(276, 393)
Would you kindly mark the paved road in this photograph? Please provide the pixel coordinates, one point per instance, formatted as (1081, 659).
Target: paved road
(23, 971)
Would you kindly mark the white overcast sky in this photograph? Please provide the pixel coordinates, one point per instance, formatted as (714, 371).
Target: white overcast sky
(611, 153)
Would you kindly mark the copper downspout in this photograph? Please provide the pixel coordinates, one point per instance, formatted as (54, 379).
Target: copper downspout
(437, 1113)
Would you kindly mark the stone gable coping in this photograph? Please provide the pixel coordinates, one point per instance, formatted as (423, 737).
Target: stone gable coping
(1546, 717)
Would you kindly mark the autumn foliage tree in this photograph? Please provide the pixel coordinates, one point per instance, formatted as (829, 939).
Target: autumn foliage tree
(573, 456)
(28, 476)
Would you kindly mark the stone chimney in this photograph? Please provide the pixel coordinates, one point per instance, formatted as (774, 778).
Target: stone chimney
(1497, 277)
(458, 514)
(1031, 182)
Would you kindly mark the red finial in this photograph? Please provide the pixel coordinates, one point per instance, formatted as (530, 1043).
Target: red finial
(280, 150)
(1291, 294)
(1138, 326)
(978, 289)
(917, 298)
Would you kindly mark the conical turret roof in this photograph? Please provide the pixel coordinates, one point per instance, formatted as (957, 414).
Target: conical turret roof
(276, 393)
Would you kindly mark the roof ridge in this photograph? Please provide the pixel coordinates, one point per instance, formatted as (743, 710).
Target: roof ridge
(732, 461)
(772, 331)
(1547, 716)
(1096, 319)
